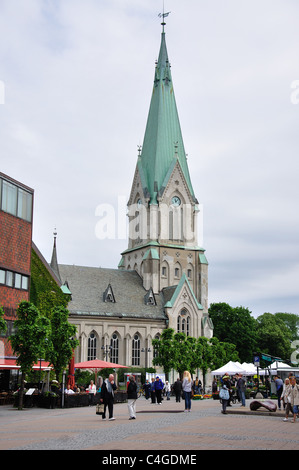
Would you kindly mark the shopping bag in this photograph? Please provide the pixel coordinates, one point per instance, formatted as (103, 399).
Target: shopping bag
(100, 409)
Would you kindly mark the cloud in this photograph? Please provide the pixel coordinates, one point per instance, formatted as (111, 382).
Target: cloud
(78, 79)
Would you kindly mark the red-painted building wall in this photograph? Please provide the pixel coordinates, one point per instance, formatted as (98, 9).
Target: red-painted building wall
(16, 208)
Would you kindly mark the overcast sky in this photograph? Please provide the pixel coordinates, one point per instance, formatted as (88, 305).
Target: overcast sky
(76, 78)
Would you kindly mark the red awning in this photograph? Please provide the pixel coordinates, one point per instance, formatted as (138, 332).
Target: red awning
(12, 364)
(98, 364)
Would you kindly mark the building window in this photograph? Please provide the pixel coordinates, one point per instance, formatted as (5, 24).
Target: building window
(2, 276)
(18, 281)
(136, 351)
(183, 323)
(188, 326)
(24, 205)
(9, 198)
(114, 348)
(155, 353)
(15, 280)
(16, 201)
(92, 347)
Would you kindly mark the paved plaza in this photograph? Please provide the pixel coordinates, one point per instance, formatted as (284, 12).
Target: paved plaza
(158, 428)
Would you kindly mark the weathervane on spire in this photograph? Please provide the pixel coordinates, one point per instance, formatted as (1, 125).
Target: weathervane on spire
(163, 15)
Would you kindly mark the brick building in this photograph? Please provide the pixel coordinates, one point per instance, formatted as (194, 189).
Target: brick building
(16, 209)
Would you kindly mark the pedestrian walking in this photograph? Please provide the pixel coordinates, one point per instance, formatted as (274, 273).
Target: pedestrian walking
(187, 387)
(153, 391)
(177, 387)
(241, 387)
(132, 397)
(92, 390)
(107, 396)
(279, 389)
(224, 393)
(286, 398)
(167, 389)
(294, 393)
(147, 389)
(158, 389)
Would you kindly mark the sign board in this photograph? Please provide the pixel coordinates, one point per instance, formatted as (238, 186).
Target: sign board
(256, 361)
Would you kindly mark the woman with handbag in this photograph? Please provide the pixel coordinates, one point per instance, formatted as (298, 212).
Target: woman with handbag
(224, 394)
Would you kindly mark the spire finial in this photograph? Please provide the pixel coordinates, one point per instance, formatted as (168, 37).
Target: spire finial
(163, 15)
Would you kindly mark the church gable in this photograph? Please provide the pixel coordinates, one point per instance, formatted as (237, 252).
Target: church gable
(183, 310)
(139, 189)
(175, 184)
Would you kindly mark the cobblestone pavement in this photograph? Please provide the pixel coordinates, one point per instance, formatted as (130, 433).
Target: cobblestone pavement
(158, 428)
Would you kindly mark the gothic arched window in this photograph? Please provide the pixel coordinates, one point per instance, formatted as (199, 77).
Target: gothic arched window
(92, 347)
(136, 351)
(183, 322)
(114, 348)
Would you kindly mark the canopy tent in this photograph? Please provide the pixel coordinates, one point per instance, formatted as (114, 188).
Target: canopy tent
(275, 367)
(231, 368)
(250, 368)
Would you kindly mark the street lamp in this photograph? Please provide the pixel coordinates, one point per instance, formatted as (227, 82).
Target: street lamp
(106, 351)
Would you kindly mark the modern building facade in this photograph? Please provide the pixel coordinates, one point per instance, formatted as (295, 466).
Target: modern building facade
(16, 209)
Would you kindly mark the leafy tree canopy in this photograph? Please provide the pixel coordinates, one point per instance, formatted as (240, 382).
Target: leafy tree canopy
(273, 336)
(63, 340)
(235, 326)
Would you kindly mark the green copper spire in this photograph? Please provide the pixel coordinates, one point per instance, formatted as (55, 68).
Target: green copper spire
(163, 143)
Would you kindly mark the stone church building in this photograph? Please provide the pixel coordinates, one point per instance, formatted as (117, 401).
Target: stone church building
(162, 277)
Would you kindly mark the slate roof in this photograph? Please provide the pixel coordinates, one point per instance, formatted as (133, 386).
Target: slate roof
(88, 284)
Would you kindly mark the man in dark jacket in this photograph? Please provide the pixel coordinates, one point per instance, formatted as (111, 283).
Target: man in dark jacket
(107, 396)
(158, 389)
(177, 387)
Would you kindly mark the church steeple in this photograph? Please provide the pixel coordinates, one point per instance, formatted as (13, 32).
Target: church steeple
(54, 262)
(162, 208)
(163, 143)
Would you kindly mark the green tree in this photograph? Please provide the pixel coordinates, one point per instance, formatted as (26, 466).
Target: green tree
(3, 325)
(273, 336)
(205, 356)
(181, 352)
(291, 321)
(29, 342)
(223, 353)
(164, 354)
(185, 353)
(62, 340)
(235, 326)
